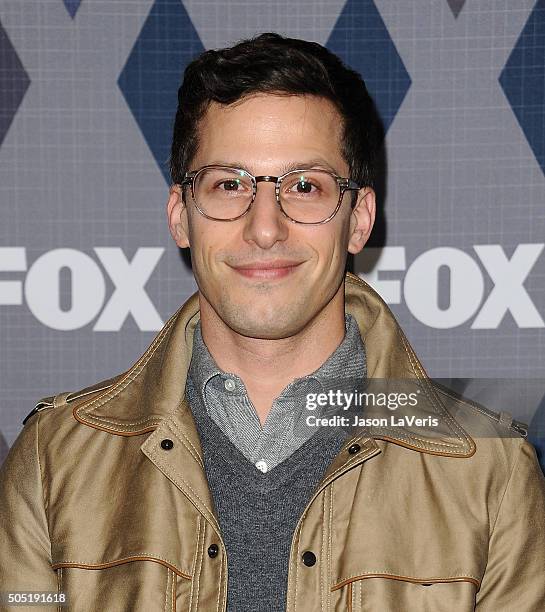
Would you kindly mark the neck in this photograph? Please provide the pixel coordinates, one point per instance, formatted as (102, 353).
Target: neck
(267, 366)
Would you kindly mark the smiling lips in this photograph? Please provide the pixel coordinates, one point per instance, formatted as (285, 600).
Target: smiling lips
(268, 270)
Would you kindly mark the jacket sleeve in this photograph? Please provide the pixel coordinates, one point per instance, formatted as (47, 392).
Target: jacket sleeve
(25, 548)
(514, 578)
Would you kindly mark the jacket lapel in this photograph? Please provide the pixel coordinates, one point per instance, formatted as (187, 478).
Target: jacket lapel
(150, 395)
(183, 463)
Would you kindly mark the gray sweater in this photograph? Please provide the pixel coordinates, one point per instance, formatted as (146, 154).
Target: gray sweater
(258, 512)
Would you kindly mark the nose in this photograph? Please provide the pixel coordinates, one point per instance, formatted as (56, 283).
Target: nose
(265, 224)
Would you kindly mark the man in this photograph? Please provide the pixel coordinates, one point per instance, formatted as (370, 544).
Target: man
(189, 482)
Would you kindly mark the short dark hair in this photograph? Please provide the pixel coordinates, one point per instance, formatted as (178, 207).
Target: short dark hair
(271, 63)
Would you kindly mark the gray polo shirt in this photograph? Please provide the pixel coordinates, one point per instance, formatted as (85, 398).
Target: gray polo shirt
(285, 430)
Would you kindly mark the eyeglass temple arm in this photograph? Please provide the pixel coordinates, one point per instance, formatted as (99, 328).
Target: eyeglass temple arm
(186, 180)
(350, 184)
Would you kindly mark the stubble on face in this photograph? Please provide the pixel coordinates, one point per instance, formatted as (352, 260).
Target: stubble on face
(273, 310)
(266, 132)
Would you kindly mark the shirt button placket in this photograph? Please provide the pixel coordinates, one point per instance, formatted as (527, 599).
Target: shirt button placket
(261, 465)
(229, 384)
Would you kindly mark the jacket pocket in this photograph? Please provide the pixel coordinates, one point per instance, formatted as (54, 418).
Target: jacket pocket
(388, 593)
(124, 585)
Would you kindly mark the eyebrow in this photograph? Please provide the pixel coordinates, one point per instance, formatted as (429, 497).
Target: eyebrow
(318, 162)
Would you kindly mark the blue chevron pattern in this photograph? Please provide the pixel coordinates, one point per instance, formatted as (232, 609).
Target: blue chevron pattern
(14, 82)
(523, 81)
(72, 6)
(153, 72)
(361, 39)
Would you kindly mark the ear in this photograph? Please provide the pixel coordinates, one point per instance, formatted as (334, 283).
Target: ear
(362, 219)
(177, 217)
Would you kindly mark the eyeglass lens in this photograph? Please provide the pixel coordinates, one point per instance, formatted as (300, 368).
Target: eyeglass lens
(308, 196)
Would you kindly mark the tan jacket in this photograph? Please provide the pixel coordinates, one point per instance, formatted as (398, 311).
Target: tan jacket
(93, 505)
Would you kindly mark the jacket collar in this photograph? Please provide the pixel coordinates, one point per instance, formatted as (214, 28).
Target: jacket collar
(152, 390)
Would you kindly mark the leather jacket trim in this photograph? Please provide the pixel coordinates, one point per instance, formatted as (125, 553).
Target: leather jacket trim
(422, 581)
(116, 432)
(427, 451)
(349, 597)
(98, 566)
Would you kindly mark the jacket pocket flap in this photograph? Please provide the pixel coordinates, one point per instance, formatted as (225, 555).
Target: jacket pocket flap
(421, 580)
(119, 561)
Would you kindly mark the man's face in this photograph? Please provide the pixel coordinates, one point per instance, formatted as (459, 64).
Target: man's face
(262, 275)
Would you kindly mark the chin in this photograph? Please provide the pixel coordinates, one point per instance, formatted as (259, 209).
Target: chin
(261, 332)
(266, 325)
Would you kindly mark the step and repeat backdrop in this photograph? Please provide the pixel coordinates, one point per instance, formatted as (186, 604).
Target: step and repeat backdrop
(88, 272)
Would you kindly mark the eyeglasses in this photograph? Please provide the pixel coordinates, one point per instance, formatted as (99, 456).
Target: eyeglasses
(222, 193)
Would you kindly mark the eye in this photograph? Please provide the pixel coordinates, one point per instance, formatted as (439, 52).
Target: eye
(303, 185)
(229, 184)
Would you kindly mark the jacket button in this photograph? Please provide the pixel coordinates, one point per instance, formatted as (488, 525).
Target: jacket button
(213, 550)
(167, 444)
(355, 448)
(309, 558)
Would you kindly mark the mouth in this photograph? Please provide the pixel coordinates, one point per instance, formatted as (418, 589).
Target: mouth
(267, 270)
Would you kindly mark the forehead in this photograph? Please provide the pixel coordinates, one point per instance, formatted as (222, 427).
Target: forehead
(269, 129)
